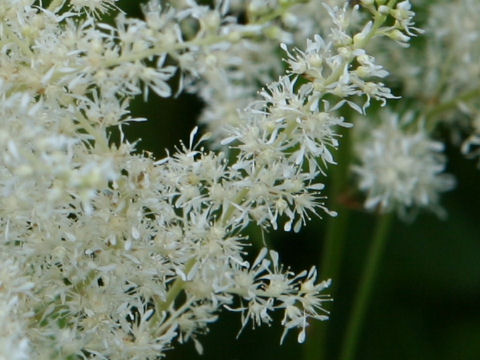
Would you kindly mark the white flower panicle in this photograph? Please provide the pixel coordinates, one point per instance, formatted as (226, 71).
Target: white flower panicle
(107, 253)
(441, 87)
(457, 34)
(399, 168)
(328, 63)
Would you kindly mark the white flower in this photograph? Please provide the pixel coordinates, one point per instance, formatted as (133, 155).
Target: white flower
(399, 169)
(14, 288)
(114, 253)
(97, 7)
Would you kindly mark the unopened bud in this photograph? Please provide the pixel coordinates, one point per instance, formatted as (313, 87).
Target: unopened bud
(384, 10)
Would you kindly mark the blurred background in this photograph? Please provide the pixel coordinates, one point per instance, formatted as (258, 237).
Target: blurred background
(426, 299)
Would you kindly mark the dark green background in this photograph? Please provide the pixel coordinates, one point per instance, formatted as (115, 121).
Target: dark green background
(426, 302)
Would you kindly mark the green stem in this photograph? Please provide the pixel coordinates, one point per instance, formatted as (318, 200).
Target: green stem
(331, 258)
(316, 347)
(176, 288)
(336, 228)
(366, 285)
(172, 294)
(99, 135)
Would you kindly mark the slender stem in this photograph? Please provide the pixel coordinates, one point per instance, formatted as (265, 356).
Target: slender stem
(331, 257)
(172, 294)
(176, 287)
(316, 347)
(99, 134)
(366, 285)
(336, 228)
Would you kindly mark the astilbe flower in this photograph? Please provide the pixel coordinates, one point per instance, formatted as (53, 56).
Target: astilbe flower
(400, 168)
(440, 88)
(101, 240)
(458, 37)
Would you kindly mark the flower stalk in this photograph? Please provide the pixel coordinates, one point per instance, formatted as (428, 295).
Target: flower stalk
(365, 288)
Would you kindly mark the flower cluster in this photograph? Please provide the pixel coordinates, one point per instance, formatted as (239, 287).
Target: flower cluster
(401, 169)
(14, 285)
(440, 88)
(109, 253)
